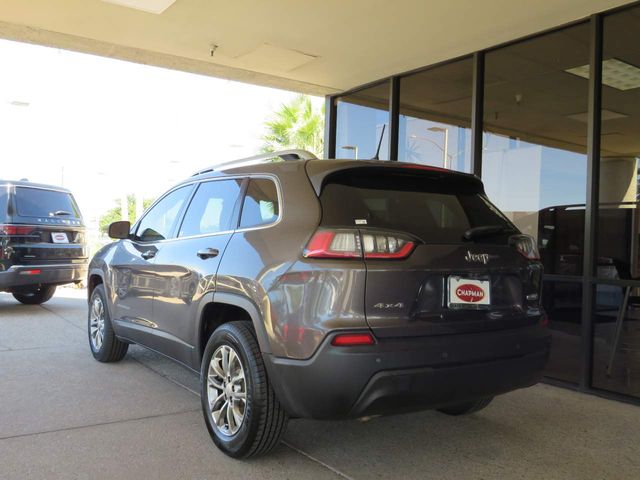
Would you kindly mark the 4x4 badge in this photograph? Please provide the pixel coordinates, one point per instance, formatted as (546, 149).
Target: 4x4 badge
(389, 305)
(478, 257)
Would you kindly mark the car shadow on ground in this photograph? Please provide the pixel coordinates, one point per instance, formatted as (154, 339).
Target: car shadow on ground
(540, 432)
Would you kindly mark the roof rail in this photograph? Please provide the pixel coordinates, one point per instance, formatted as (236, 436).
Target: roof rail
(294, 154)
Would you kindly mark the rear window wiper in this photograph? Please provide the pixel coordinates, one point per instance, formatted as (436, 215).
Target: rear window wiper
(61, 212)
(485, 231)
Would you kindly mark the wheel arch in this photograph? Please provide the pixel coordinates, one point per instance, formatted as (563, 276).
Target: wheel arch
(219, 308)
(94, 278)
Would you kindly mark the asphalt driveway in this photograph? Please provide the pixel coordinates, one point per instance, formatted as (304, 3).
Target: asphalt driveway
(64, 415)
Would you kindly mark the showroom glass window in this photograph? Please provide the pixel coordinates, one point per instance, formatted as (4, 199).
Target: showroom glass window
(363, 123)
(435, 116)
(534, 166)
(616, 341)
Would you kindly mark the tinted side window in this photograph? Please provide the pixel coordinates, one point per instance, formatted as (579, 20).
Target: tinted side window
(260, 205)
(159, 222)
(37, 202)
(4, 203)
(211, 209)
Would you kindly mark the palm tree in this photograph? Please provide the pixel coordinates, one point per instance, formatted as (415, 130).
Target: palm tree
(296, 125)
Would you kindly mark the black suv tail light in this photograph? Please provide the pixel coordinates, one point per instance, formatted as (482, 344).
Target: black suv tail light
(350, 243)
(20, 234)
(15, 230)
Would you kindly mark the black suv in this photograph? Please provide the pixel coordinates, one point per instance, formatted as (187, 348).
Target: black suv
(42, 240)
(324, 289)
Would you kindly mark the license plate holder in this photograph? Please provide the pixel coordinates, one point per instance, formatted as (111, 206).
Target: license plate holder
(59, 237)
(474, 293)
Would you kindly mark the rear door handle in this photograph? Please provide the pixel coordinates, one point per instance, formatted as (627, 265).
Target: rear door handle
(208, 253)
(148, 254)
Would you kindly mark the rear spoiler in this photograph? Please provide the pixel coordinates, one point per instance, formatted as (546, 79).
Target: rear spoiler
(319, 170)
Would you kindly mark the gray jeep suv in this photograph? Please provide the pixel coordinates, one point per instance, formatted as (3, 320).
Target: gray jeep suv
(324, 289)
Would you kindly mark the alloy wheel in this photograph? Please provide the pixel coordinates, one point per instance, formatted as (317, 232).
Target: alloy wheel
(226, 390)
(96, 323)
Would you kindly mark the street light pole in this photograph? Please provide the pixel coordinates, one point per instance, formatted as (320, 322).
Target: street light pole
(445, 160)
(124, 207)
(351, 147)
(445, 150)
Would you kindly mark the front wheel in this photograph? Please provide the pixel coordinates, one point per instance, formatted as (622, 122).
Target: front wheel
(240, 408)
(105, 346)
(466, 408)
(36, 296)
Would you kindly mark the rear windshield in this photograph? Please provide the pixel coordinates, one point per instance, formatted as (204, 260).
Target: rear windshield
(37, 202)
(434, 210)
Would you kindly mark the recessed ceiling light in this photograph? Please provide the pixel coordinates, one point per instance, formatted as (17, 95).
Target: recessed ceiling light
(615, 73)
(150, 6)
(605, 115)
(19, 103)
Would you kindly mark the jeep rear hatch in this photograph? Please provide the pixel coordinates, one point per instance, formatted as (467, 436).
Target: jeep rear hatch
(440, 258)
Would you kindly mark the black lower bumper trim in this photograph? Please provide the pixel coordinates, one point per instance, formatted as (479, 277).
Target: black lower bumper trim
(17, 276)
(409, 374)
(429, 388)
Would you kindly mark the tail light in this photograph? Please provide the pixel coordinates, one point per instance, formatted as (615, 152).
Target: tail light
(347, 243)
(334, 244)
(35, 271)
(15, 230)
(416, 166)
(526, 246)
(352, 339)
(391, 246)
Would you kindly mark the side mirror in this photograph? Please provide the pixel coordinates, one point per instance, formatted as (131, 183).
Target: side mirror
(119, 230)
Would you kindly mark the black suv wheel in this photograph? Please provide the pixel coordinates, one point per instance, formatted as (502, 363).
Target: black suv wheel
(36, 296)
(242, 413)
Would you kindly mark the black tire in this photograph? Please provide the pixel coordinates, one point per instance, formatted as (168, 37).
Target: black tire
(37, 296)
(467, 407)
(264, 421)
(110, 349)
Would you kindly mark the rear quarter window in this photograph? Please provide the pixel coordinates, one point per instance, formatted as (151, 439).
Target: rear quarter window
(38, 202)
(260, 205)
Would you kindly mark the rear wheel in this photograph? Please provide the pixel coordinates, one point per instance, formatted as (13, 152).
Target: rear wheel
(36, 296)
(105, 346)
(466, 408)
(240, 408)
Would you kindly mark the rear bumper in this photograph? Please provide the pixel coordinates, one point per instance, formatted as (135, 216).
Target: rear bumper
(17, 276)
(398, 375)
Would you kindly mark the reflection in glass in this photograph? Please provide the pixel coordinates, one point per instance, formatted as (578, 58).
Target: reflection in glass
(363, 123)
(534, 149)
(435, 116)
(619, 224)
(616, 339)
(534, 167)
(563, 304)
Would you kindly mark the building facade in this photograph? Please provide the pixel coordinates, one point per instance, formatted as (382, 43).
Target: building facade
(551, 123)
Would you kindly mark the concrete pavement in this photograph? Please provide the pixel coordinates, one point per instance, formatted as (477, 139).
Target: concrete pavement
(64, 415)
